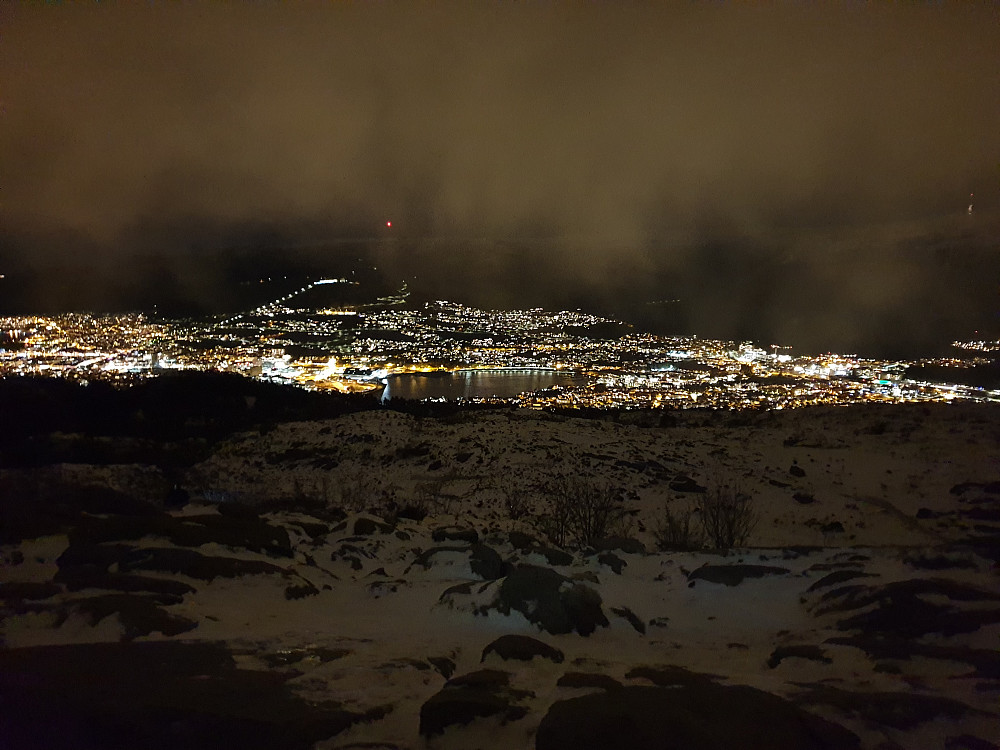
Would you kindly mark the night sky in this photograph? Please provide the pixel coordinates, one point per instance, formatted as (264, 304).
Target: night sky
(794, 173)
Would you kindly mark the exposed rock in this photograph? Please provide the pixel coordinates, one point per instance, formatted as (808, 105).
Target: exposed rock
(622, 544)
(484, 561)
(896, 710)
(13, 592)
(734, 575)
(612, 561)
(940, 562)
(455, 534)
(521, 541)
(968, 742)
(365, 526)
(553, 556)
(796, 471)
(911, 608)
(164, 560)
(631, 617)
(553, 602)
(244, 529)
(442, 664)
(301, 592)
(138, 614)
(156, 695)
(812, 653)
(522, 648)
(588, 680)
(476, 695)
(838, 576)
(683, 483)
(77, 578)
(291, 656)
(985, 662)
(669, 676)
(701, 716)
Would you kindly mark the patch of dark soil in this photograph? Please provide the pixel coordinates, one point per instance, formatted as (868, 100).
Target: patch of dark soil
(701, 716)
(157, 695)
(522, 648)
(734, 575)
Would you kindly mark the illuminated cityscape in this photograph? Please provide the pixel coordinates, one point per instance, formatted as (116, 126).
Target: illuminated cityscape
(357, 348)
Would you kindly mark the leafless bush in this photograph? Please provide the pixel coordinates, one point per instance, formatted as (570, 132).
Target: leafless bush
(678, 532)
(727, 515)
(364, 491)
(431, 494)
(514, 499)
(582, 511)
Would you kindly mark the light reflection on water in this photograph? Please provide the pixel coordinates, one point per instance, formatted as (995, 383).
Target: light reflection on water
(477, 383)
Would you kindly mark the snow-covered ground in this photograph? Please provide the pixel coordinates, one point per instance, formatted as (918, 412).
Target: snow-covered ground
(867, 593)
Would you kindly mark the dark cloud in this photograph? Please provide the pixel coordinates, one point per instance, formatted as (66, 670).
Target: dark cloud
(753, 160)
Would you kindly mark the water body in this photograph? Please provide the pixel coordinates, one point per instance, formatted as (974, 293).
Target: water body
(477, 383)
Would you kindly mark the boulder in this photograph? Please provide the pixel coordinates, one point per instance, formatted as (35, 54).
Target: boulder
(484, 561)
(622, 544)
(683, 483)
(522, 648)
(699, 716)
(734, 575)
(455, 534)
(550, 600)
(476, 695)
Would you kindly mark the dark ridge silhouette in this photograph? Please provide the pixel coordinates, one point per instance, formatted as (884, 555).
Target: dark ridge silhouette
(165, 413)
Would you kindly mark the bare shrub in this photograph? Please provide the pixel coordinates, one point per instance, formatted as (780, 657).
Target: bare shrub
(361, 490)
(514, 499)
(583, 511)
(727, 515)
(678, 532)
